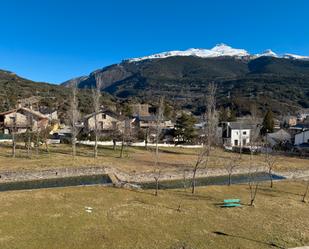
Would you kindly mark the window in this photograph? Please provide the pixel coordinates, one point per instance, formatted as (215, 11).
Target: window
(236, 142)
(101, 125)
(103, 116)
(244, 133)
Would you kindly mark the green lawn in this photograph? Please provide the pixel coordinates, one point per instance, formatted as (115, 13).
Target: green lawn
(56, 218)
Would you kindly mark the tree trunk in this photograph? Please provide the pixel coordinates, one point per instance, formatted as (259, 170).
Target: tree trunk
(96, 136)
(271, 178)
(253, 194)
(194, 180)
(96, 146)
(306, 192)
(157, 186)
(29, 146)
(230, 178)
(114, 144)
(122, 147)
(37, 145)
(73, 148)
(46, 146)
(13, 145)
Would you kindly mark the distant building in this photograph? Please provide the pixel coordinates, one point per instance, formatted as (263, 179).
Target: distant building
(289, 120)
(140, 110)
(302, 137)
(303, 114)
(21, 119)
(151, 122)
(237, 134)
(106, 121)
(278, 137)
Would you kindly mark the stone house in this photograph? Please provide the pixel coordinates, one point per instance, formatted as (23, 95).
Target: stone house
(277, 138)
(22, 119)
(106, 121)
(140, 110)
(150, 122)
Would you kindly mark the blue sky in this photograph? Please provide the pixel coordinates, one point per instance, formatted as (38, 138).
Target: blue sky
(55, 40)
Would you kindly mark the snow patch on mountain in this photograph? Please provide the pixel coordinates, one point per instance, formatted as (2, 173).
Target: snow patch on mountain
(268, 53)
(218, 51)
(295, 56)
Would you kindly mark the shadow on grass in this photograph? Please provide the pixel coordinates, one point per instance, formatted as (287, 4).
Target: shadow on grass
(269, 190)
(272, 244)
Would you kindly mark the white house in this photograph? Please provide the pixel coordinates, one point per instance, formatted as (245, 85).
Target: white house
(302, 137)
(237, 134)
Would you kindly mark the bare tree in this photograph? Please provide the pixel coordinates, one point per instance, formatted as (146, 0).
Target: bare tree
(230, 166)
(44, 136)
(13, 132)
(306, 191)
(157, 175)
(209, 136)
(271, 161)
(74, 116)
(96, 94)
(125, 136)
(253, 185)
(253, 167)
(159, 120)
(29, 134)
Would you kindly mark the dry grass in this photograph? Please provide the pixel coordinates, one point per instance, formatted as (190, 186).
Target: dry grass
(56, 218)
(135, 159)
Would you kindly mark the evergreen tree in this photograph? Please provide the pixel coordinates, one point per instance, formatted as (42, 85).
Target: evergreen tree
(185, 131)
(268, 123)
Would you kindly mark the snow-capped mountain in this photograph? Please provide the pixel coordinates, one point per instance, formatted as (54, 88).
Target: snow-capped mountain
(267, 52)
(218, 51)
(295, 56)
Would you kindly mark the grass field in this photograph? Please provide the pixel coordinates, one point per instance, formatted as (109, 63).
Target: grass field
(124, 219)
(135, 159)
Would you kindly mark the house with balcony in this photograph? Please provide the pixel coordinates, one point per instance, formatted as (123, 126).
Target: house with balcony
(238, 134)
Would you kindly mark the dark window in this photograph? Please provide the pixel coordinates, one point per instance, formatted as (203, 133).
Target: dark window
(236, 142)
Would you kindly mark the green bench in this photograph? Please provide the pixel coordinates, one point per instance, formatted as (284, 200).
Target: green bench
(231, 203)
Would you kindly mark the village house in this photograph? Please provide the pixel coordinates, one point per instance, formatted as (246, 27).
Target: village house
(106, 121)
(278, 138)
(293, 130)
(303, 115)
(289, 120)
(237, 134)
(140, 110)
(302, 137)
(151, 121)
(21, 119)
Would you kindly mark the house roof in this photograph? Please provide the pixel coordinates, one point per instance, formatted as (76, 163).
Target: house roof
(241, 126)
(280, 135)
(35, 113)
(147, 118)
(300, 126)
(107, 112)
(305, 131)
